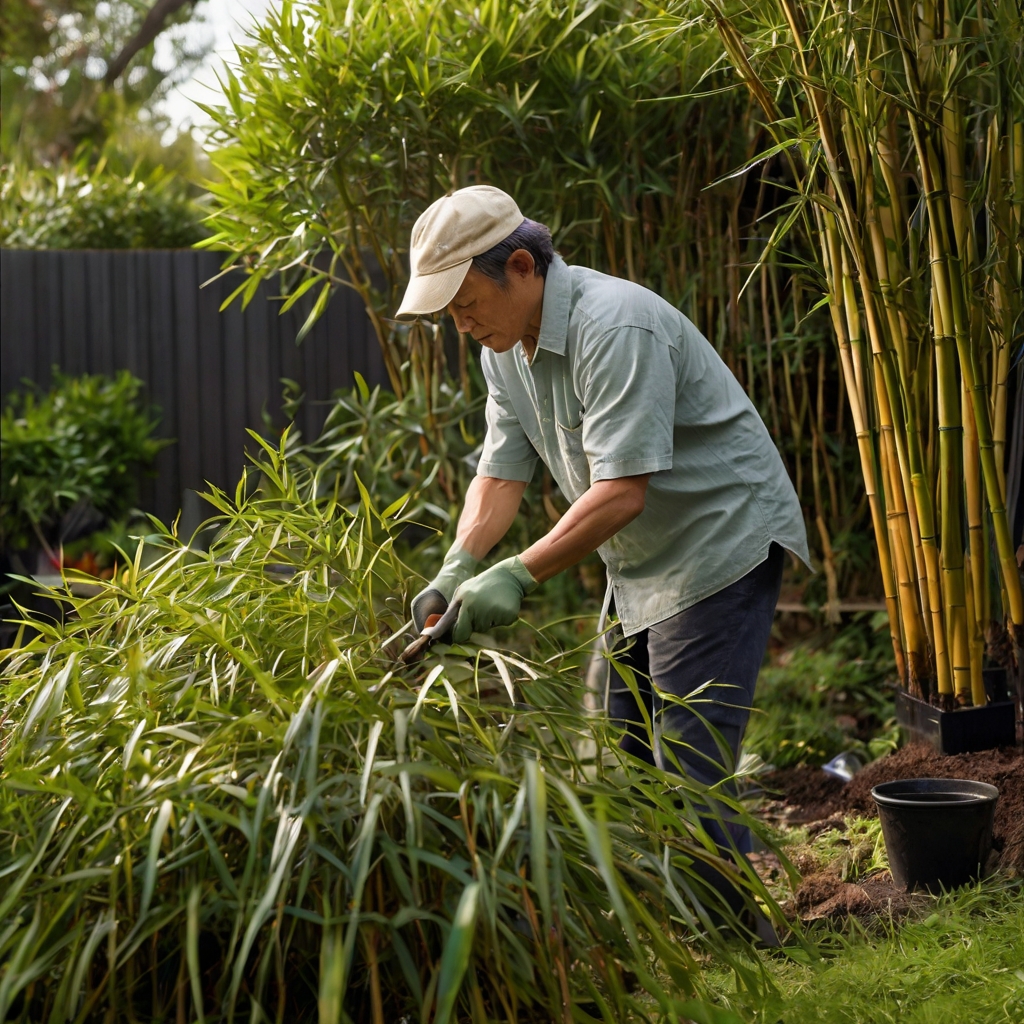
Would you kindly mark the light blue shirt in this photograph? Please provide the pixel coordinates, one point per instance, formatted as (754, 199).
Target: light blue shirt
(623, 384)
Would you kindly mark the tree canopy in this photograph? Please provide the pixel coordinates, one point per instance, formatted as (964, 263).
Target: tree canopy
(77, 72)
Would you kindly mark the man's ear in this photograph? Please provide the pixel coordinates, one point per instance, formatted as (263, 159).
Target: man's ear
(520, 263)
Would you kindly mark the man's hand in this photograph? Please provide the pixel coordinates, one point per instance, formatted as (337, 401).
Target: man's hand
(429, 601)
(457, 567)
(492, 598)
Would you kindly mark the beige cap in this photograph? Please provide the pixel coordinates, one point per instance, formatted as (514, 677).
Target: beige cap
(446, 237)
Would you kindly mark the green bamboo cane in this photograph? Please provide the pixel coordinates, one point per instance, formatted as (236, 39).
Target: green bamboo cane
(950, 496)
(1000, 220)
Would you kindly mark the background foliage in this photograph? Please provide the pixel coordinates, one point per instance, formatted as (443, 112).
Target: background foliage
(89, 160)
(83, 442)
(74, 207)
(54, 59)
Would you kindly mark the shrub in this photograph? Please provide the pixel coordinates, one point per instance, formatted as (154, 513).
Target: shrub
(813, 704)
(220, 787)
(382, 440)
(70, 207)
(83, 441)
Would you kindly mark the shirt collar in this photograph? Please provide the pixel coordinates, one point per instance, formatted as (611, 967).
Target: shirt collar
(554, 319)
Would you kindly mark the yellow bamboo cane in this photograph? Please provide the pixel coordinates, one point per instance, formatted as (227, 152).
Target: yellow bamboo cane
(918, 497)
(846, 322)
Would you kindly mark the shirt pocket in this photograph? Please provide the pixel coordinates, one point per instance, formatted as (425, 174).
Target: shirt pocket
(574, 460)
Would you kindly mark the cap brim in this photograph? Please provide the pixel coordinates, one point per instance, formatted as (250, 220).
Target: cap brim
(428, 293)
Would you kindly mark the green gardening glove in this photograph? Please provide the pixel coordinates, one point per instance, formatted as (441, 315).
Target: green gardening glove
(492, 598)
(457, 567)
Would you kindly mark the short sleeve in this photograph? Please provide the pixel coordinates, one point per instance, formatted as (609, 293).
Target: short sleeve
(629, 388)
(507, 453)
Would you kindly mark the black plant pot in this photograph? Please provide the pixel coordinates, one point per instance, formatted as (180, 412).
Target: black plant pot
(938, 832)
(956, 732)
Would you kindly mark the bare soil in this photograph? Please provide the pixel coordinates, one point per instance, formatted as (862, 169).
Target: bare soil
(807, 796)
(823, 895)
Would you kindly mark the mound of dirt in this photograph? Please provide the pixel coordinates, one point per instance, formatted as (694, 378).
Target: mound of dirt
(808, 795)
(823, 895)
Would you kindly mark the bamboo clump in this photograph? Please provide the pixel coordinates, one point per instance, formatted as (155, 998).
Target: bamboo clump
(909, 163)
(224, 798)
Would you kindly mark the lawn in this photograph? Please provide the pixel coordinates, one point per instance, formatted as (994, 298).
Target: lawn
(960, 958)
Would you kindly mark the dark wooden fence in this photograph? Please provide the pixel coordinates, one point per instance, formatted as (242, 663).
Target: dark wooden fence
(211, 374)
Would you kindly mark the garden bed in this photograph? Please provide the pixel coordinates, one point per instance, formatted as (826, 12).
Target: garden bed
(809, 796)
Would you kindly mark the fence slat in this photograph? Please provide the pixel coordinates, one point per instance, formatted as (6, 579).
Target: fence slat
(49, 336)
(18, 319)
(101, 323)
(234, 392)
(211, 379)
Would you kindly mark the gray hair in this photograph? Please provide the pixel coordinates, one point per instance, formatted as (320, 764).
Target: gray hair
(532, 236)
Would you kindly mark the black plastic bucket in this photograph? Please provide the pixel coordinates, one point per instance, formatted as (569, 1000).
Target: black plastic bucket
(938, 832)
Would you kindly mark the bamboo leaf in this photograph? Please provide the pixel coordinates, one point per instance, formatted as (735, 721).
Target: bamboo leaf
(455, 958)
(156, 838)
(192, 952)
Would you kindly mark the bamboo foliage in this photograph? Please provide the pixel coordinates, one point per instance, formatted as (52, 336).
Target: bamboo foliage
(223, 798)
(911, 173)
(342, 122)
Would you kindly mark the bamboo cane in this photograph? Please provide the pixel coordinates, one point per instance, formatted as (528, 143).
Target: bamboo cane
(999, 215)
(918, 496)
(846, 322)
(950, 477)
(976, 561)
(936, 313)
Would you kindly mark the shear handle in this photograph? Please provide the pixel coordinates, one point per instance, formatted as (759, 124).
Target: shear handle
(429, 634)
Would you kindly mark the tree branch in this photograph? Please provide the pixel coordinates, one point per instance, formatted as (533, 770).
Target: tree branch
(150, 29)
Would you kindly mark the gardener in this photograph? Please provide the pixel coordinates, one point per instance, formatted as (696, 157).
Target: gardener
(672, 476)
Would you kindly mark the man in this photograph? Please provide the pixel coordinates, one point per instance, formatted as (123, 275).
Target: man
(672, 476)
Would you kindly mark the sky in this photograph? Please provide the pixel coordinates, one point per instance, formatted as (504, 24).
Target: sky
(226, 22)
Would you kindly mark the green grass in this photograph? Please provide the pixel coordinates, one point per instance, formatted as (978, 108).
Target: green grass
(856, 852)
(962, 961)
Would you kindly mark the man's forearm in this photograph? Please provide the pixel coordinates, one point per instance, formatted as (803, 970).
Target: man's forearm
(491, 506)
(489, 509)
(597, 515)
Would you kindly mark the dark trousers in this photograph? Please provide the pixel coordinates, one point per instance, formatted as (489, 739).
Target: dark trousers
(719, 642)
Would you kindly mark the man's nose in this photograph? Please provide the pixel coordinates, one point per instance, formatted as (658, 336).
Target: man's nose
(463, 323)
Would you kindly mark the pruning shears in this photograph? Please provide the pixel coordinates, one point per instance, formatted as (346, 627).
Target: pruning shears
(436, 627)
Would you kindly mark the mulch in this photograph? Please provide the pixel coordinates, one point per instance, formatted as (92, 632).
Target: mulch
(807, 796)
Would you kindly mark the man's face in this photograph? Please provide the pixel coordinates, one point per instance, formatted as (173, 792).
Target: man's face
(499, 317)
